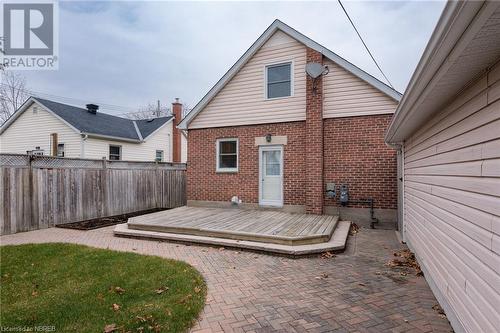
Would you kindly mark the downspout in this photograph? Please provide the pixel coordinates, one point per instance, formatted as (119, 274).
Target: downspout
(82, 145)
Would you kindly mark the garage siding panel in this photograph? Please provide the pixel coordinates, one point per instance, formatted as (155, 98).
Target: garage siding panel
(452, 202)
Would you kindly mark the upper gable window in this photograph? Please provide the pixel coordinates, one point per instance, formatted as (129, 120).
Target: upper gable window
(279, 80)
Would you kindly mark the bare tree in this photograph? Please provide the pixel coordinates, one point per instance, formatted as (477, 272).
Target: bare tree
(13, 93)
(149, 111)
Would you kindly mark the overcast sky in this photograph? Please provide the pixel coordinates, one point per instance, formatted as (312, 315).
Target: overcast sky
(133, 53)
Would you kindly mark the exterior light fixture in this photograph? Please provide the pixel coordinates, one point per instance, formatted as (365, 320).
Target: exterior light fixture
(268, 138)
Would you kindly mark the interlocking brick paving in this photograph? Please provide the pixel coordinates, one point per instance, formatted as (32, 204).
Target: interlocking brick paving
(254, 292)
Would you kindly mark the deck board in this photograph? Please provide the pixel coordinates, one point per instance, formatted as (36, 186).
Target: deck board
(270, 226)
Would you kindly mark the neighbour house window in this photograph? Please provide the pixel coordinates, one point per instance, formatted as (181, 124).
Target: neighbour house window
(227, 155)
(159, 156)
(115, 153)
(279, 80)
(60, 150)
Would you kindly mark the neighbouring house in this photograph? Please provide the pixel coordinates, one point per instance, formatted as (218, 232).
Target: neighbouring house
(447, 131)
(46, 127)
(269, 135)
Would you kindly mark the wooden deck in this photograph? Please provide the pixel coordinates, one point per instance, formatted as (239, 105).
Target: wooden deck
(238, 224)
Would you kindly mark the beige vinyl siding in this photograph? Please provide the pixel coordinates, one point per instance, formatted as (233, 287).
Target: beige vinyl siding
(243, 100)
(452, 202)
(145, 151)
(30, 130)
(347, 95)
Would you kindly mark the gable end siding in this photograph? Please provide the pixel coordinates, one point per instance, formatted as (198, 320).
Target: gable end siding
(30, 130)
(242, 101)
(347, 95)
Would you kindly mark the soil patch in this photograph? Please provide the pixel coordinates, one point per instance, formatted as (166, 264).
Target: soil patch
(102, 222)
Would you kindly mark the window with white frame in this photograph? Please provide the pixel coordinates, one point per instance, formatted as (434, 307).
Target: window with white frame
(227, 155)
(279, 80)
(159, 156)
(115, 153)
(60, 150)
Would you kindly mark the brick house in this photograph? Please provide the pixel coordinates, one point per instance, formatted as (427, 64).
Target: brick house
(269, 135)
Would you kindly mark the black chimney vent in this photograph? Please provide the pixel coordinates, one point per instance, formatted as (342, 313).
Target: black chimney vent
(92, 108)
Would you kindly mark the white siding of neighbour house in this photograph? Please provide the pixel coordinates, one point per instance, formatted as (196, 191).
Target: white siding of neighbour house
(347, 95)
(184, 148)
(160, 140)
(30, 130)
(452, 202)
(243, 101)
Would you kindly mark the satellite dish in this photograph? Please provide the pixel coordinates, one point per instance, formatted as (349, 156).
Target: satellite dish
(314, 69)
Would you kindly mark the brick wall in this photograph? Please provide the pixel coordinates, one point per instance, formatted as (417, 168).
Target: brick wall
(203, 183)
(355, 154)
(314, 139)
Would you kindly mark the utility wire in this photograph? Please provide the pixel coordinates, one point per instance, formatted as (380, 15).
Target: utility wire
(110, 107)
(366, 47)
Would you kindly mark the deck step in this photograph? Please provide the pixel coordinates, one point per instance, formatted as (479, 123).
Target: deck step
(337, 241)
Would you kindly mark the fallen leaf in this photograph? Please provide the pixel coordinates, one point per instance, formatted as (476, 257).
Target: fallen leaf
(110, 328)
(119, 290)
(116, 307)
(327, 255)
(221, 249)
(161, 290)
(354, 229)
(34, 293)
(197, 290)
(322, 276)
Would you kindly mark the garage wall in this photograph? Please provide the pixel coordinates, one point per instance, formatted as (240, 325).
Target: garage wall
(452, 203)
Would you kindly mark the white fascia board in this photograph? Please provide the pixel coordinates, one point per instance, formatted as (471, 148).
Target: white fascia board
(137, 130)
(110, 137)
(278, 25)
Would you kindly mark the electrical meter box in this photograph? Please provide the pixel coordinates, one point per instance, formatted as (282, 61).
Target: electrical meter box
(330, 190)
(344, 194)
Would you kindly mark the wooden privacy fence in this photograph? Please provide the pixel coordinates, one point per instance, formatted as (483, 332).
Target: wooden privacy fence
(40, 192)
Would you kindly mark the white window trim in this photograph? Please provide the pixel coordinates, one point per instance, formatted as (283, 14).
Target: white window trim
(292, 75)
(217, 144)
(121, 152)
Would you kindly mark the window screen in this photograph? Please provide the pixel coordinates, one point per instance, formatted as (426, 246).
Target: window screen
(279, 81)
(228, 155)
(115, 153)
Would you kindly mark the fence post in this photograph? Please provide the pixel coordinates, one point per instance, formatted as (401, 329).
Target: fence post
(159, 193)
(33, 225)
(104, 187)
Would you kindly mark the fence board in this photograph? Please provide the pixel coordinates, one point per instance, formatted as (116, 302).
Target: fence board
(41, 192)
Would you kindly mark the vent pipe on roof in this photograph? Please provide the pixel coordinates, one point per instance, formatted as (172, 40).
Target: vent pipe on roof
(92, 108)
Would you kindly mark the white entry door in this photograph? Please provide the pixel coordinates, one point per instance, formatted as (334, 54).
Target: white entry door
(271, 176)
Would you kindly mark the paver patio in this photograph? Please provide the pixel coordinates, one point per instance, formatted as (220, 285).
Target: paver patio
(252, 292)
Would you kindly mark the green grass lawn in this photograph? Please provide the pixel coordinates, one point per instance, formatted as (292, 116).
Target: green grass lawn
(81, 289)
